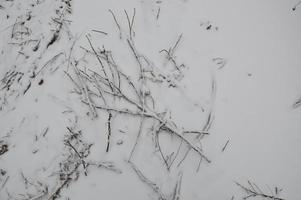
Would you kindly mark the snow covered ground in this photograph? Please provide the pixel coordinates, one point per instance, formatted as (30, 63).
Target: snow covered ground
(150, 99)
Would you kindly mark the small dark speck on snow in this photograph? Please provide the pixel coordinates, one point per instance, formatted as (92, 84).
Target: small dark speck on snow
(3, 149)
(120, 142)
(2, 172)
(53, 39)
(41, 82)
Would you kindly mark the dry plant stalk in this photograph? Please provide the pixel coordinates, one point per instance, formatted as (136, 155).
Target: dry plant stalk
(112, 91)
(116, 22)
(170, 54)
(224, 147)
(130, 22)
(109, 131)
(148, 182)
(252, 190)
(105, 84)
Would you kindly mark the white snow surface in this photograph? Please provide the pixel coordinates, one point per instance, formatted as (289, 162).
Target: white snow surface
(233, 78)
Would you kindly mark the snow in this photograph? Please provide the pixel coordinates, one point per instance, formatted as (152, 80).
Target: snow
(241, 72)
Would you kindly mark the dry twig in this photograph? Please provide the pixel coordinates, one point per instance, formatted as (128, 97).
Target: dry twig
(109, 131)
(117, 24)
(148, 182)
(252, 190)
(223, 149)
(130, 22)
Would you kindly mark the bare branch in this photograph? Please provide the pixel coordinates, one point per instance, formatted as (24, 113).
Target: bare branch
(98, 31)
(148, 182)
(137, 138)
(102, 66)
(130, 23)
(109, 131)
(106, 165)
(252, 192)
(117, 24)
(223, 149)
(177, 192)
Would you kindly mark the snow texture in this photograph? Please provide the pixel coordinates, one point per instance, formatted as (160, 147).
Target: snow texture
(150, 99)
